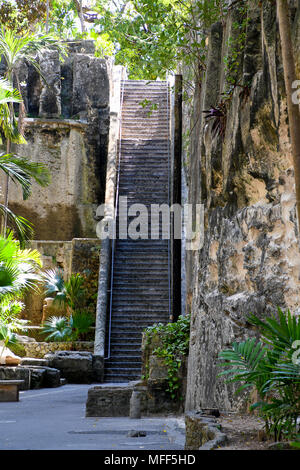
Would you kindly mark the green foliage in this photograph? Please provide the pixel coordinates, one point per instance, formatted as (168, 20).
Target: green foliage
(68, 292)
(151, 36)
(21, 15)
(81, 323)
(7, 337)
(8, 122)
(236, 46)
(175, 339)
(18, 349)
(62, 19)
(18, 269)
(57, 329)
(270, 366)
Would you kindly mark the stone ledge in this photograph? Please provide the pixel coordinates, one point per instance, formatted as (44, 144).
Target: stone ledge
(108, 401)
(39, 349)
(202, 433)
(50, 123)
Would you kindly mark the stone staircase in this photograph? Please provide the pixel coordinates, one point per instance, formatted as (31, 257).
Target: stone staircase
(140, 294)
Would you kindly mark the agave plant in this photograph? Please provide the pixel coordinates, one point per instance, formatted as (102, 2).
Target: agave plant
(267, 365)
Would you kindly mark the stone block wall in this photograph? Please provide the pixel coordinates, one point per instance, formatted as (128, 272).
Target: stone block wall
(66, 129)
(38, 349)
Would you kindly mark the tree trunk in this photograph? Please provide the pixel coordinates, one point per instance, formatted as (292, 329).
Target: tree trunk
(289, 77)
(47, 16)
(78, 4)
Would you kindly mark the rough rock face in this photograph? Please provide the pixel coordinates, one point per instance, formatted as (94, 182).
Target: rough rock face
(250, 261)
(75, 366)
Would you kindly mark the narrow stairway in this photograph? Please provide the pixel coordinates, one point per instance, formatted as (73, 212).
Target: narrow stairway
(140, 269)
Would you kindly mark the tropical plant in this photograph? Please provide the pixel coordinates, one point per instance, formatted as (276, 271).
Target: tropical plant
(175, 345)
(7, 337)
(80, 323)
(68, 292)
(218, 115)
(19, 169)
(268, 366)
(18, 269)
(10, 323)
(18, 273)
(8, 122)
(57, 328)
(71, 328)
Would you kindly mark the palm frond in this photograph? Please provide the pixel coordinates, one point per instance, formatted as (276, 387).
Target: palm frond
(22, 227)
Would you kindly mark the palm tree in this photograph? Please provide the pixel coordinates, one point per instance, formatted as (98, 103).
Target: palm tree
(289, 77)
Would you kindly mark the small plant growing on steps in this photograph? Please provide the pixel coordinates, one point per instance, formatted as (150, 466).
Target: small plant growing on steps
(175, 345)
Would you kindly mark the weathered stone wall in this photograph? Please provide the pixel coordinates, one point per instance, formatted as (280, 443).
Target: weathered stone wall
(40, 349)
(67, 130)
(250, 261)
(157, 398)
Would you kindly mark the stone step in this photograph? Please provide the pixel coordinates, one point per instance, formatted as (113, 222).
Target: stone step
(140, 295)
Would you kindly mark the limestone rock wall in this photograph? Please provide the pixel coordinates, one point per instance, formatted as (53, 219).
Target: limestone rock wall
(67, 130)
(250, 261)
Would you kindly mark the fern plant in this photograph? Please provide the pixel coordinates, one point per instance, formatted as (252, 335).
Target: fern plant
(268, 366)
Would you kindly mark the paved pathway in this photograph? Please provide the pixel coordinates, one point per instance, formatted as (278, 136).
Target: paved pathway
(54, 419)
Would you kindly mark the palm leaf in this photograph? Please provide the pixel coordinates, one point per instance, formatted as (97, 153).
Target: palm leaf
(22, 226)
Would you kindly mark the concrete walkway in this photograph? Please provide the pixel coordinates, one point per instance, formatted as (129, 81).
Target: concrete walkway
(54, 419)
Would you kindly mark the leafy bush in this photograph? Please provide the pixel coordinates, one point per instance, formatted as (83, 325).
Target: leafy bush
(57, 328)
(18, 349)
(71, 328)
(175, 339)
(270, 365)
(68, 292)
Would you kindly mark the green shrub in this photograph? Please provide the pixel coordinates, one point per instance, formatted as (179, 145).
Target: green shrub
(175, 345)
(73, 328)
(18, 349)
(270, 365)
